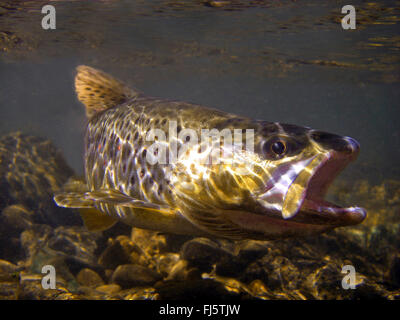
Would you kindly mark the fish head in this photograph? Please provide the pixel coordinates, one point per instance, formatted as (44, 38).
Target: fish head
(302, 164)
(277, 189)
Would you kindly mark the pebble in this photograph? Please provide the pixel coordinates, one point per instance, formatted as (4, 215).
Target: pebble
(17, 218)
(7, 267)
(8, 271)
(252, 250)
(132, 275)
(108, 288)
(114, 255)
(203, 253)
(14, 219)
(89, 278)
(150, 242)
(193, 290)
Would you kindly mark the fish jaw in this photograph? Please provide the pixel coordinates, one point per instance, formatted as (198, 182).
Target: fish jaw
(301, 204)
(313, 206)
(266, 227)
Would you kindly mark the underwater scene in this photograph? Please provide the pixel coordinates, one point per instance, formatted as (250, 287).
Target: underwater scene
(184, 150)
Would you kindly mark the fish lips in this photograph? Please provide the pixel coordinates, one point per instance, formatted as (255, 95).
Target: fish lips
(312, 207)
(304, 201)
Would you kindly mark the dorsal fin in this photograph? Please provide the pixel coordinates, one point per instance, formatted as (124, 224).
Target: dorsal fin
(99, 91)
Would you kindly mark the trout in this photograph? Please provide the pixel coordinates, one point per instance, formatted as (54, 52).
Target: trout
(182, 168)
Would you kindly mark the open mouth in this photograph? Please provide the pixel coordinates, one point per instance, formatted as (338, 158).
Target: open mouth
(310, 206)
(298, 190)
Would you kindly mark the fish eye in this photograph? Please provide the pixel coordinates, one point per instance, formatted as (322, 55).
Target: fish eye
(278, 147)
(274, 148)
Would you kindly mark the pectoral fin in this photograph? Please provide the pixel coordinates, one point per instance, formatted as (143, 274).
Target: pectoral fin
(73, 200)
(148, 215)
(91, 198)
(94, 219)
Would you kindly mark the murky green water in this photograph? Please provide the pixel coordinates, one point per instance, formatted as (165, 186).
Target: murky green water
(275, 60)
(279, 61)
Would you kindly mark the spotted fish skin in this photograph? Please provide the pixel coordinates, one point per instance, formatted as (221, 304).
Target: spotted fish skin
(116, 149)
(273, 190)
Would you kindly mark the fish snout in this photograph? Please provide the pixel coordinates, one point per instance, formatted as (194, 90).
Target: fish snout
(344, 145)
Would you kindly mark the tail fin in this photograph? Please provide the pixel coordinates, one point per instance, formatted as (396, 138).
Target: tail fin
(99, 91)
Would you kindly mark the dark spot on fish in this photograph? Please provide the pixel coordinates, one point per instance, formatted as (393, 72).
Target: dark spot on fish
(160, 188)
(269, 129)
(128, 136)
(151, 181)
(178, 129)
(110, 152)
(156, 152)
(144, 152)
(133, 180)
(136, 136)
(142, 172)
(293, 129)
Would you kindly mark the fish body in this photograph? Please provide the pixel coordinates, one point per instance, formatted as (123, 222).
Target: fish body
(178, 167)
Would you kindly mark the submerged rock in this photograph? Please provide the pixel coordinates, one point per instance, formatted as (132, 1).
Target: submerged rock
(31, 171)
(133, 275)
(114, 255)
(194, 290)
(68, 249)
(89, 278)
(8, 271)
(203, 253)
(13, 220)
(109, 289)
